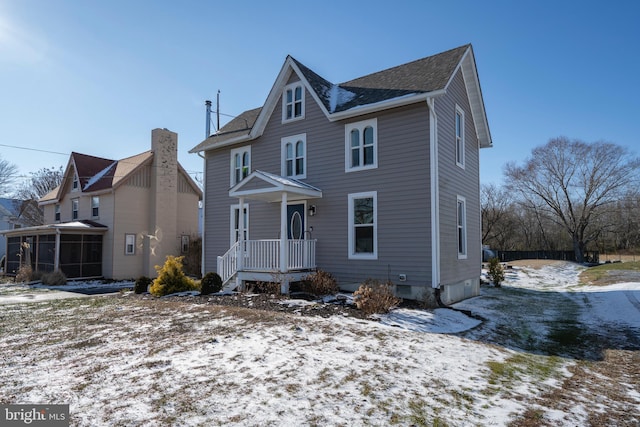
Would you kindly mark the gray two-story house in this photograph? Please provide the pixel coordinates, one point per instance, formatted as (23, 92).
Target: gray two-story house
(376, 177)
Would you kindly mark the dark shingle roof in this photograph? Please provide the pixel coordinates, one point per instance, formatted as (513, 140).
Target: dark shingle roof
(421, 76)
(88, 167)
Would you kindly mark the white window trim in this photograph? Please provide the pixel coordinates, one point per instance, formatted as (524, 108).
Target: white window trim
(75, 208)
(127, 237)
(292, 87)
(232, 165)
(75, 182)
(56, 212)
(459, 145)
(283, 161)
(350, 233)
(462, 255)
(232, 228)
(347, 144)
(95, 206)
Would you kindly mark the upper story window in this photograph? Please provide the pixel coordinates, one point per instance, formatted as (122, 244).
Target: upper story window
(75, 184)
(240, 164)
(95, 206)
(74, 209)
(129, 244)
(461, 216)
(459, 137)
(56, 212)
(293, 102)
(361, 145)
(363, 229)
(294, 159)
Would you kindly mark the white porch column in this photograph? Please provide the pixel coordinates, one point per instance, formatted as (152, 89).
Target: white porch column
(283, 234)
(56, 258)
(241, 231)
(284, 247)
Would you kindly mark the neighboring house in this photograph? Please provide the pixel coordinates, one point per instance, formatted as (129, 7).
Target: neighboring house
(377, 177)
(114, 218)
(9, 220)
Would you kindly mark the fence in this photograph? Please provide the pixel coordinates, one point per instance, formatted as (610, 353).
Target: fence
(506, 256)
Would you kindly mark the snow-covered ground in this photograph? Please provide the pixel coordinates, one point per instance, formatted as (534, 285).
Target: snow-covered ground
(127, 361)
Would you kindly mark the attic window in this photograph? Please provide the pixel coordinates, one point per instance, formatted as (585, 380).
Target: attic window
(293, 102)
(75, 182)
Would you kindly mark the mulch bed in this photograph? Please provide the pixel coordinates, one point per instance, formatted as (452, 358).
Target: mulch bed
(268, 302)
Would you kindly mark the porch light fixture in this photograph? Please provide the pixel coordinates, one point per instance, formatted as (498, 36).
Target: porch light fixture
(312, 210)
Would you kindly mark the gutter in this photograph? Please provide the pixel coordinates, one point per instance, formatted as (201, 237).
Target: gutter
(435, 196)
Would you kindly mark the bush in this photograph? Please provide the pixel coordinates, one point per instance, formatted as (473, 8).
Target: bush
(24, 273)
(496, 272)
(54, 278)
(141, 285)
(210, 283)
(374, 297)
(171, 278)
(320, 283)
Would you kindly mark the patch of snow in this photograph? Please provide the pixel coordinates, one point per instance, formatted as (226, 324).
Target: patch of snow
(99, 175)
(339, 96)
(438, 321)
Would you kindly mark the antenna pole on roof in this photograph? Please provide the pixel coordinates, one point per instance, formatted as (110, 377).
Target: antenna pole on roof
(208, 120)
(218, 109)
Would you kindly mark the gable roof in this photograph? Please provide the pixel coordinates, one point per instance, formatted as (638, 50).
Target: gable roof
(96, 173)
(401, 85)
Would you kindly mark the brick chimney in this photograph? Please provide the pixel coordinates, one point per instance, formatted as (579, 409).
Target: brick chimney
(164, 197)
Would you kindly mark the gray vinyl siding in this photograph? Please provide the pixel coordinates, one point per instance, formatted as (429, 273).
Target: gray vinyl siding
(455, 181)
(401, 180)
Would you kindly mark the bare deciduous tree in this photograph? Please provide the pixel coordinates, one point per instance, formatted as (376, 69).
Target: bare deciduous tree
(575, 183)
(8, 172)
(41, 182)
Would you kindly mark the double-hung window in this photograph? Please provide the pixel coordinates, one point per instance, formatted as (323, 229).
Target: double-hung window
(294, 159)
(95, 206)
(129, 244)
(293, 102)
(56, 212)
(363, 226)
(361, 145)
(459, 137)
(462, 227)
(240, 164)
(75, 184)
(74, 208)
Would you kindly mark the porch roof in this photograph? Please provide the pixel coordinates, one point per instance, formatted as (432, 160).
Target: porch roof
(73, 227)
(268, 187)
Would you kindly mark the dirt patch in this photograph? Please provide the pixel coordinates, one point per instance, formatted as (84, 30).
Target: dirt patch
(604, 388)
(265, 302)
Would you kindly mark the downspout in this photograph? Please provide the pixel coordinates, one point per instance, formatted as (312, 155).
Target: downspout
(435, 199)
(204, 195)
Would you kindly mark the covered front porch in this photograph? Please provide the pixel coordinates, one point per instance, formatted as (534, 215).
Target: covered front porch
(286, 259)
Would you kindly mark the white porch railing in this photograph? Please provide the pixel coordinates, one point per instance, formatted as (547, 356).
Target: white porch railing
(264, 255)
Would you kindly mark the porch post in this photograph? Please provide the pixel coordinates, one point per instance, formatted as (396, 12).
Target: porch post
(283, 234)
(284, 252)
(56, 258)
(241, 230)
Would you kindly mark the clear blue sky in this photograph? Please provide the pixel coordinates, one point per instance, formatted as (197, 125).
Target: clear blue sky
(97, 76)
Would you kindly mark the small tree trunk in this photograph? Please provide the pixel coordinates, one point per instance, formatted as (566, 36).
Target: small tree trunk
(578, 249)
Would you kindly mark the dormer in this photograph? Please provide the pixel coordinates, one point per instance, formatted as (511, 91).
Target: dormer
(293, 102)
